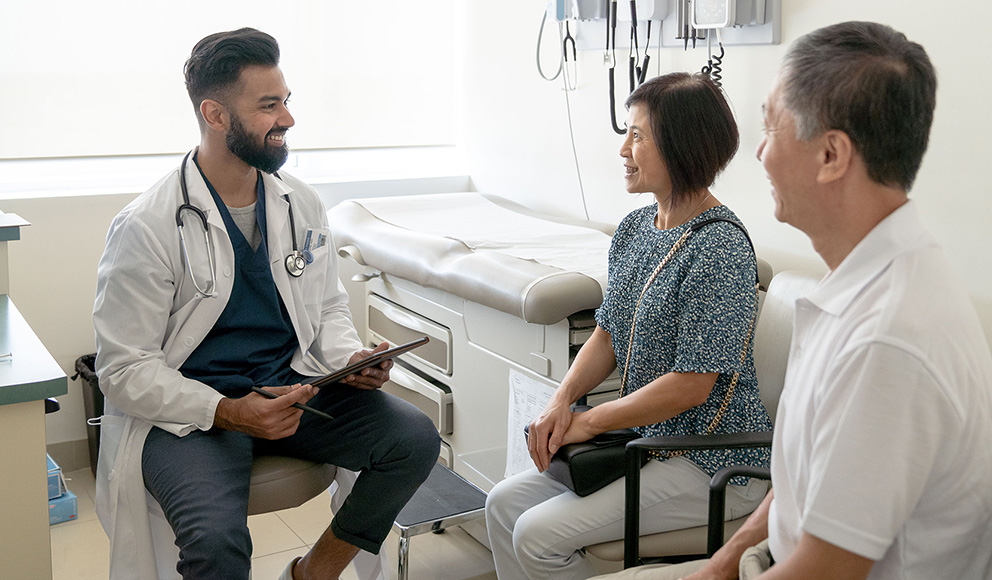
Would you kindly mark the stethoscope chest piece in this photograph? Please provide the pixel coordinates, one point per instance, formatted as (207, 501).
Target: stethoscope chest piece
(295, 264)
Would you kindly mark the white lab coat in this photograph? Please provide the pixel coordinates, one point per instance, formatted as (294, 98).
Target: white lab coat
(149, 318)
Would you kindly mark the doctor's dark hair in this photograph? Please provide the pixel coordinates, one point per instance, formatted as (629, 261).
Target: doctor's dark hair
(215, 65)
(870, 82)
(693, 128)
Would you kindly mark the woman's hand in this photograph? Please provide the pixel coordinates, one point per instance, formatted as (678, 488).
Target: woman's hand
(546, 433)
(554, 427)
(580, 429)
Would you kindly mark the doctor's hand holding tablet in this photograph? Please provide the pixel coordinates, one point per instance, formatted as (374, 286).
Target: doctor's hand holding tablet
(276, 412)
(369, 369)
(372, 376)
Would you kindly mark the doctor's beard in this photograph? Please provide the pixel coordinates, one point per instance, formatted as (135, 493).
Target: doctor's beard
(260, 156)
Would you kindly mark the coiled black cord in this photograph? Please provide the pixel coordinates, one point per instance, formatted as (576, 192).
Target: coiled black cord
(713, 67)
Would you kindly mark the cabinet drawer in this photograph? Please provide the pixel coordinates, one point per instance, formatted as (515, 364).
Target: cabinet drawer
(431, 397)
(391, 322)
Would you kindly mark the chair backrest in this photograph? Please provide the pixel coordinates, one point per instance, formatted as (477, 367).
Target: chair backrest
(765, 274)
(773, 334)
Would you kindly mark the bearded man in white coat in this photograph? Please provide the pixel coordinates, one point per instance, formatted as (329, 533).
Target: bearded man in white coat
(244, 293)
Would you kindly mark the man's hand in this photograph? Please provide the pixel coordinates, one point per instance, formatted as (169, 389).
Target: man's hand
(262, 417)
(726, 561)
(816, 559)
(373, 377)
(708, 574)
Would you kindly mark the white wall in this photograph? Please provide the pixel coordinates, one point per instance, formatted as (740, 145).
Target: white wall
(517, 143)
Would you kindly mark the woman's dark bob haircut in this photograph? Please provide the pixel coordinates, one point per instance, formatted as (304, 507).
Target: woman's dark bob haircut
(692, 127)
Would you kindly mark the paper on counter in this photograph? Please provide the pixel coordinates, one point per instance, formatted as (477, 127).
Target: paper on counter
(528, 397)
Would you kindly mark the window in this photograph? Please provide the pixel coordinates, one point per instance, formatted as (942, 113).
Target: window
(104, 77)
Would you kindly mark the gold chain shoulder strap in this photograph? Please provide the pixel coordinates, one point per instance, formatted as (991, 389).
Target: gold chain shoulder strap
(630, 342)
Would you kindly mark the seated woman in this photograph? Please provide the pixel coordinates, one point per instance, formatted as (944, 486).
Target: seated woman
(676, 320)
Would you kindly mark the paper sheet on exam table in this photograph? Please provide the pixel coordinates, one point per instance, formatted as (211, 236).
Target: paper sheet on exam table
(486, 226)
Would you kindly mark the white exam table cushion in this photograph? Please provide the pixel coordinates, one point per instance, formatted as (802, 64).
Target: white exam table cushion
(463, 243)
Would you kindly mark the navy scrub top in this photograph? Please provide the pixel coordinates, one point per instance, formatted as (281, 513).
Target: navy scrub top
(253, 341)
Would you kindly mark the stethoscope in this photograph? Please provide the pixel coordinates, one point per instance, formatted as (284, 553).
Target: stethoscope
(296, 261)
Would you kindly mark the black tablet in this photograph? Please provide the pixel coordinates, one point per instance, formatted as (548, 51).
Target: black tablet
(367, 362)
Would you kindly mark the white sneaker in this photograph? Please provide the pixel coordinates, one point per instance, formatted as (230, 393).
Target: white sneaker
(287, 574)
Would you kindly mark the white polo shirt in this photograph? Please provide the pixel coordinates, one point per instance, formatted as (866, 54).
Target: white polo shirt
(883, 438)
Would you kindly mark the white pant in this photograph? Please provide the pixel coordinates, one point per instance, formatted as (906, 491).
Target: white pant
(754, 561)
(656, 572)
(537, 526)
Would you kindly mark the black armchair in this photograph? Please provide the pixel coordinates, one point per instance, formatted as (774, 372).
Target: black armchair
(638, 448)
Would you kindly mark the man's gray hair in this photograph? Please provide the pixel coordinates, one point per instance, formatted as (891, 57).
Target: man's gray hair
(870, 82)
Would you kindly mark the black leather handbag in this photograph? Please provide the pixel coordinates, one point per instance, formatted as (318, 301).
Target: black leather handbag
(591, 465)
(588, 466)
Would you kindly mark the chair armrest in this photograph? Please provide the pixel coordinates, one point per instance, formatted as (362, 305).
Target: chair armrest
(695, 442)
(718, 500)
(635, 451)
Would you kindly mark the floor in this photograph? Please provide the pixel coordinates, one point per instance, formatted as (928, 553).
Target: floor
(80, 550)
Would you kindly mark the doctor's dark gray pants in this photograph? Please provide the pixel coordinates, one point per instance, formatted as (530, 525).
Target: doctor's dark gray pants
(201, 480)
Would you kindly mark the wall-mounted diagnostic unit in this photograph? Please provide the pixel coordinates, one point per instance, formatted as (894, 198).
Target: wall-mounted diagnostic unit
(634, 26)
(743, 21)
(710, 14)
(578, 9)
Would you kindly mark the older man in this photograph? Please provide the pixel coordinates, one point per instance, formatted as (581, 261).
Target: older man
(880, 462)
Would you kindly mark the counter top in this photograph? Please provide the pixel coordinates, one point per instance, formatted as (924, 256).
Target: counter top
(27, 371)
(10, 226)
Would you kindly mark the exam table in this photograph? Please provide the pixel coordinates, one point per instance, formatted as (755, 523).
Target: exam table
(501, 291)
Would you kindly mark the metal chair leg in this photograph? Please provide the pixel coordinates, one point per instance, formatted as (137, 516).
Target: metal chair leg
(404, 558)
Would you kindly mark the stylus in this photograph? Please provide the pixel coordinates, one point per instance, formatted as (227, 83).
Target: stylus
(272, 395)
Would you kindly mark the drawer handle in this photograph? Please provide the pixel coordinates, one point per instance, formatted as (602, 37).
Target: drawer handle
(404, 319)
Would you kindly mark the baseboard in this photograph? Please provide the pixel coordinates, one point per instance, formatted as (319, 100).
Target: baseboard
(71, 455)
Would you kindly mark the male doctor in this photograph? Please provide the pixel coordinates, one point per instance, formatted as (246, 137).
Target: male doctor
(880, 459)
(187, 323)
